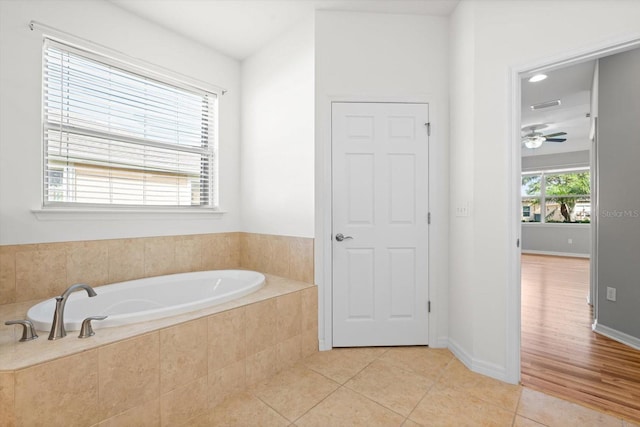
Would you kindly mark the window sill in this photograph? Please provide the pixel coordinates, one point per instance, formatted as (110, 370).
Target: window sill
(557, 224)
(69, 214)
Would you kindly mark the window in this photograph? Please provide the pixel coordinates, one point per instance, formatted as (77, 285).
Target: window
(564, 196)
(113, 137)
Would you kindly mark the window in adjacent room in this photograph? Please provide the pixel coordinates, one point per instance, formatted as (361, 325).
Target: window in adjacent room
(562, 196)
(117, 137)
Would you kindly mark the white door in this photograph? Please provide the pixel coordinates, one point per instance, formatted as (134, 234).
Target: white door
(380, 205)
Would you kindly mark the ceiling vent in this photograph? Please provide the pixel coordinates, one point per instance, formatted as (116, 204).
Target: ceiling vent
(547, 104)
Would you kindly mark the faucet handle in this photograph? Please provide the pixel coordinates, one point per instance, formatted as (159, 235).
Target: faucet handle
(28, 331)
(86, 330)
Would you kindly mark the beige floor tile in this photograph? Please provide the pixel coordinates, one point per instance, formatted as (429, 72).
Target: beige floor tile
(449, 406)
(391, 386)
(145, 415)
(552, 411)
(482, 387)
(526, 422)
(629, 424)
(294, 391)
(348, 408)
(342, 364)
(242, 410)
(409, 423)
(428, 362)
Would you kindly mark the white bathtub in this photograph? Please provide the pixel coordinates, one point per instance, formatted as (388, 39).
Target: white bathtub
(150, 298)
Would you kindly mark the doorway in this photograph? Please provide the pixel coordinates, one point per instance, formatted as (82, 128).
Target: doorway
(583, 366)
(380, 230)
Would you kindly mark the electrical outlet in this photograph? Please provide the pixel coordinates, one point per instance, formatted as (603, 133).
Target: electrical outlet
(611, 293)
(570, 241)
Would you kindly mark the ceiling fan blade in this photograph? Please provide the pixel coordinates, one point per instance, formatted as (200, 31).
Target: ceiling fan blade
(552, 135)
(555, 139)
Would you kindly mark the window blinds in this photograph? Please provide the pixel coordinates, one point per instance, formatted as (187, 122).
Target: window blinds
(115, 137)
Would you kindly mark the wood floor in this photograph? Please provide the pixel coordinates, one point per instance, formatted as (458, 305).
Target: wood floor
(560, 353)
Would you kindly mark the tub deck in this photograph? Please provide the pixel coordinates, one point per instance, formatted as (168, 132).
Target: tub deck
(16, 355)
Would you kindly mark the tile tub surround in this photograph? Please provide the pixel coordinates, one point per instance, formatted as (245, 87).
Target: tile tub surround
(44, 270)
(163, 372)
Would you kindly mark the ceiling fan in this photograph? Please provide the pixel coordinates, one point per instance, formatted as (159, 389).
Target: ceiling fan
(534, 139)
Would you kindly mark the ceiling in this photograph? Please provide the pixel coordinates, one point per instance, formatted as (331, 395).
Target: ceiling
(239, 28)
(572, 86)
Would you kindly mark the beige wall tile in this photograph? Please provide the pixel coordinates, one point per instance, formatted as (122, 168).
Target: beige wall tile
(289, 310)
(261, 321)
(7, 388)
(301, 261)
(126, 259)
(183, 354)
(188, 253)
(220, 251)
(309, 344)
(226, 381)
(63, 392)
(262, 365)
(309, 308)
(41, 273)
(277, 255)
(129, 374)
(88, 262)
(159, 256)
(226, 338)
(145, 415)
(7, 275)
(289, 352)
(184, 403)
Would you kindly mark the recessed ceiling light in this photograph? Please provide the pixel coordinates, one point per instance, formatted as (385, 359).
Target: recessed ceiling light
(537, 78)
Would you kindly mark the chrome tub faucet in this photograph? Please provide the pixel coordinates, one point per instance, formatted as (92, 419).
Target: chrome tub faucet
(57, 326)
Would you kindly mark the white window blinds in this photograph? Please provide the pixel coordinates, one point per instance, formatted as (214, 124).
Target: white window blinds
(116, 137)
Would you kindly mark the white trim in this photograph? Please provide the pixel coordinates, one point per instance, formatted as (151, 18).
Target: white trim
(53, 214)
(564, 254)
(138, 64)
(514, 165)
(615, 335)
(323, 211)
(480, 366)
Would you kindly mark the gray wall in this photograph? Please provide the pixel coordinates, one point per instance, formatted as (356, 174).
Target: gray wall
(555, 237)
(619, 192)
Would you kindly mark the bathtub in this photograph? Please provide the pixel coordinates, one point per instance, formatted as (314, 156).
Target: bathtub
(150, 298)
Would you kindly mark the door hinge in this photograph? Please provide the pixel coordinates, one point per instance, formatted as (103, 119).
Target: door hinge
(429, 218)
(517, 243)
(428, 125)
(428, 306)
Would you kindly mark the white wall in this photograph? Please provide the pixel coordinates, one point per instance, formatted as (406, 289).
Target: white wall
(461, 89)
(20, 115)
(277, 150)
(382, 57)
(503, 40)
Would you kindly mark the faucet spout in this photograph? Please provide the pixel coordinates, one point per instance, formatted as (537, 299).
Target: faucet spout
(57, 326)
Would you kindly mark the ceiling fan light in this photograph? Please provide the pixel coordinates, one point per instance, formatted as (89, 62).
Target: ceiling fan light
(534, 141)
(537, 78)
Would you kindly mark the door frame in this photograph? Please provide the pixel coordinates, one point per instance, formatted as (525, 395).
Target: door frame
(324, 209)
(513, 291)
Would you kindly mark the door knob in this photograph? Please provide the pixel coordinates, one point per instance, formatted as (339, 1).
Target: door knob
(340, 237)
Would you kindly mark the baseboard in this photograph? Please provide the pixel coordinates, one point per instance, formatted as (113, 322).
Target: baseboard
(441, 342)
(615, 335)
(479, 366)
(565, 254)
(322, 346)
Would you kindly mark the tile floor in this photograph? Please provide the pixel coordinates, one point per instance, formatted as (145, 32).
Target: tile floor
(400, 386)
